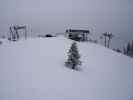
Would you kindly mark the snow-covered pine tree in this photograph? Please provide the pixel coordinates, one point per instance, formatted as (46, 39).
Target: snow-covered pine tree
(128, 48)
(132, 46)
(124, 51)
(73, 57)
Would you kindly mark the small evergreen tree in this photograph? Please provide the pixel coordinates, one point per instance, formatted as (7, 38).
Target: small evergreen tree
(128, 47)
(132, 46)
(131, 51)
(124, 51)
(73, 57)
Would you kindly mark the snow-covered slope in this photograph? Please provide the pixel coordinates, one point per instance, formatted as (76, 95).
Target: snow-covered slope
(34, 69)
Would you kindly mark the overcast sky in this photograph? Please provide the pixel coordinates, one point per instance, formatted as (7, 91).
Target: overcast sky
(53, 16)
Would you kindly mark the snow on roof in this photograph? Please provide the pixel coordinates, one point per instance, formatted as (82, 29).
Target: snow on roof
(77, 30)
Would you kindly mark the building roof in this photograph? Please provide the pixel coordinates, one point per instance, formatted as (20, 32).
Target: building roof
(77, 30)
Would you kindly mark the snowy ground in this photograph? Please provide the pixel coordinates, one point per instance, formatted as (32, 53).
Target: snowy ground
(34, 69)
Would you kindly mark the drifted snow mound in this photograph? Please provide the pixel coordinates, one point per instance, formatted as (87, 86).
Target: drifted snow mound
(34, 69)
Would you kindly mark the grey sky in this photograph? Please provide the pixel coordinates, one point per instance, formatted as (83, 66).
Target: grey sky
(48, 16)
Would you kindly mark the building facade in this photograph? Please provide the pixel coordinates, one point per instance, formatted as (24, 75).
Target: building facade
(78, 35)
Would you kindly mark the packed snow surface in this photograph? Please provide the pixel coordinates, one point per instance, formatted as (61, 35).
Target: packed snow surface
(33, 69)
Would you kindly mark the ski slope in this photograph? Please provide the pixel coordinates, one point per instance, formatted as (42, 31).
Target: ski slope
(34, 69)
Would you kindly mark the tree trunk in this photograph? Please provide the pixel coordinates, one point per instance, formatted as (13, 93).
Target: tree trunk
(73, 66)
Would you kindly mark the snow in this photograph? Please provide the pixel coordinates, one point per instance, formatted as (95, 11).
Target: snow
(33, 69)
